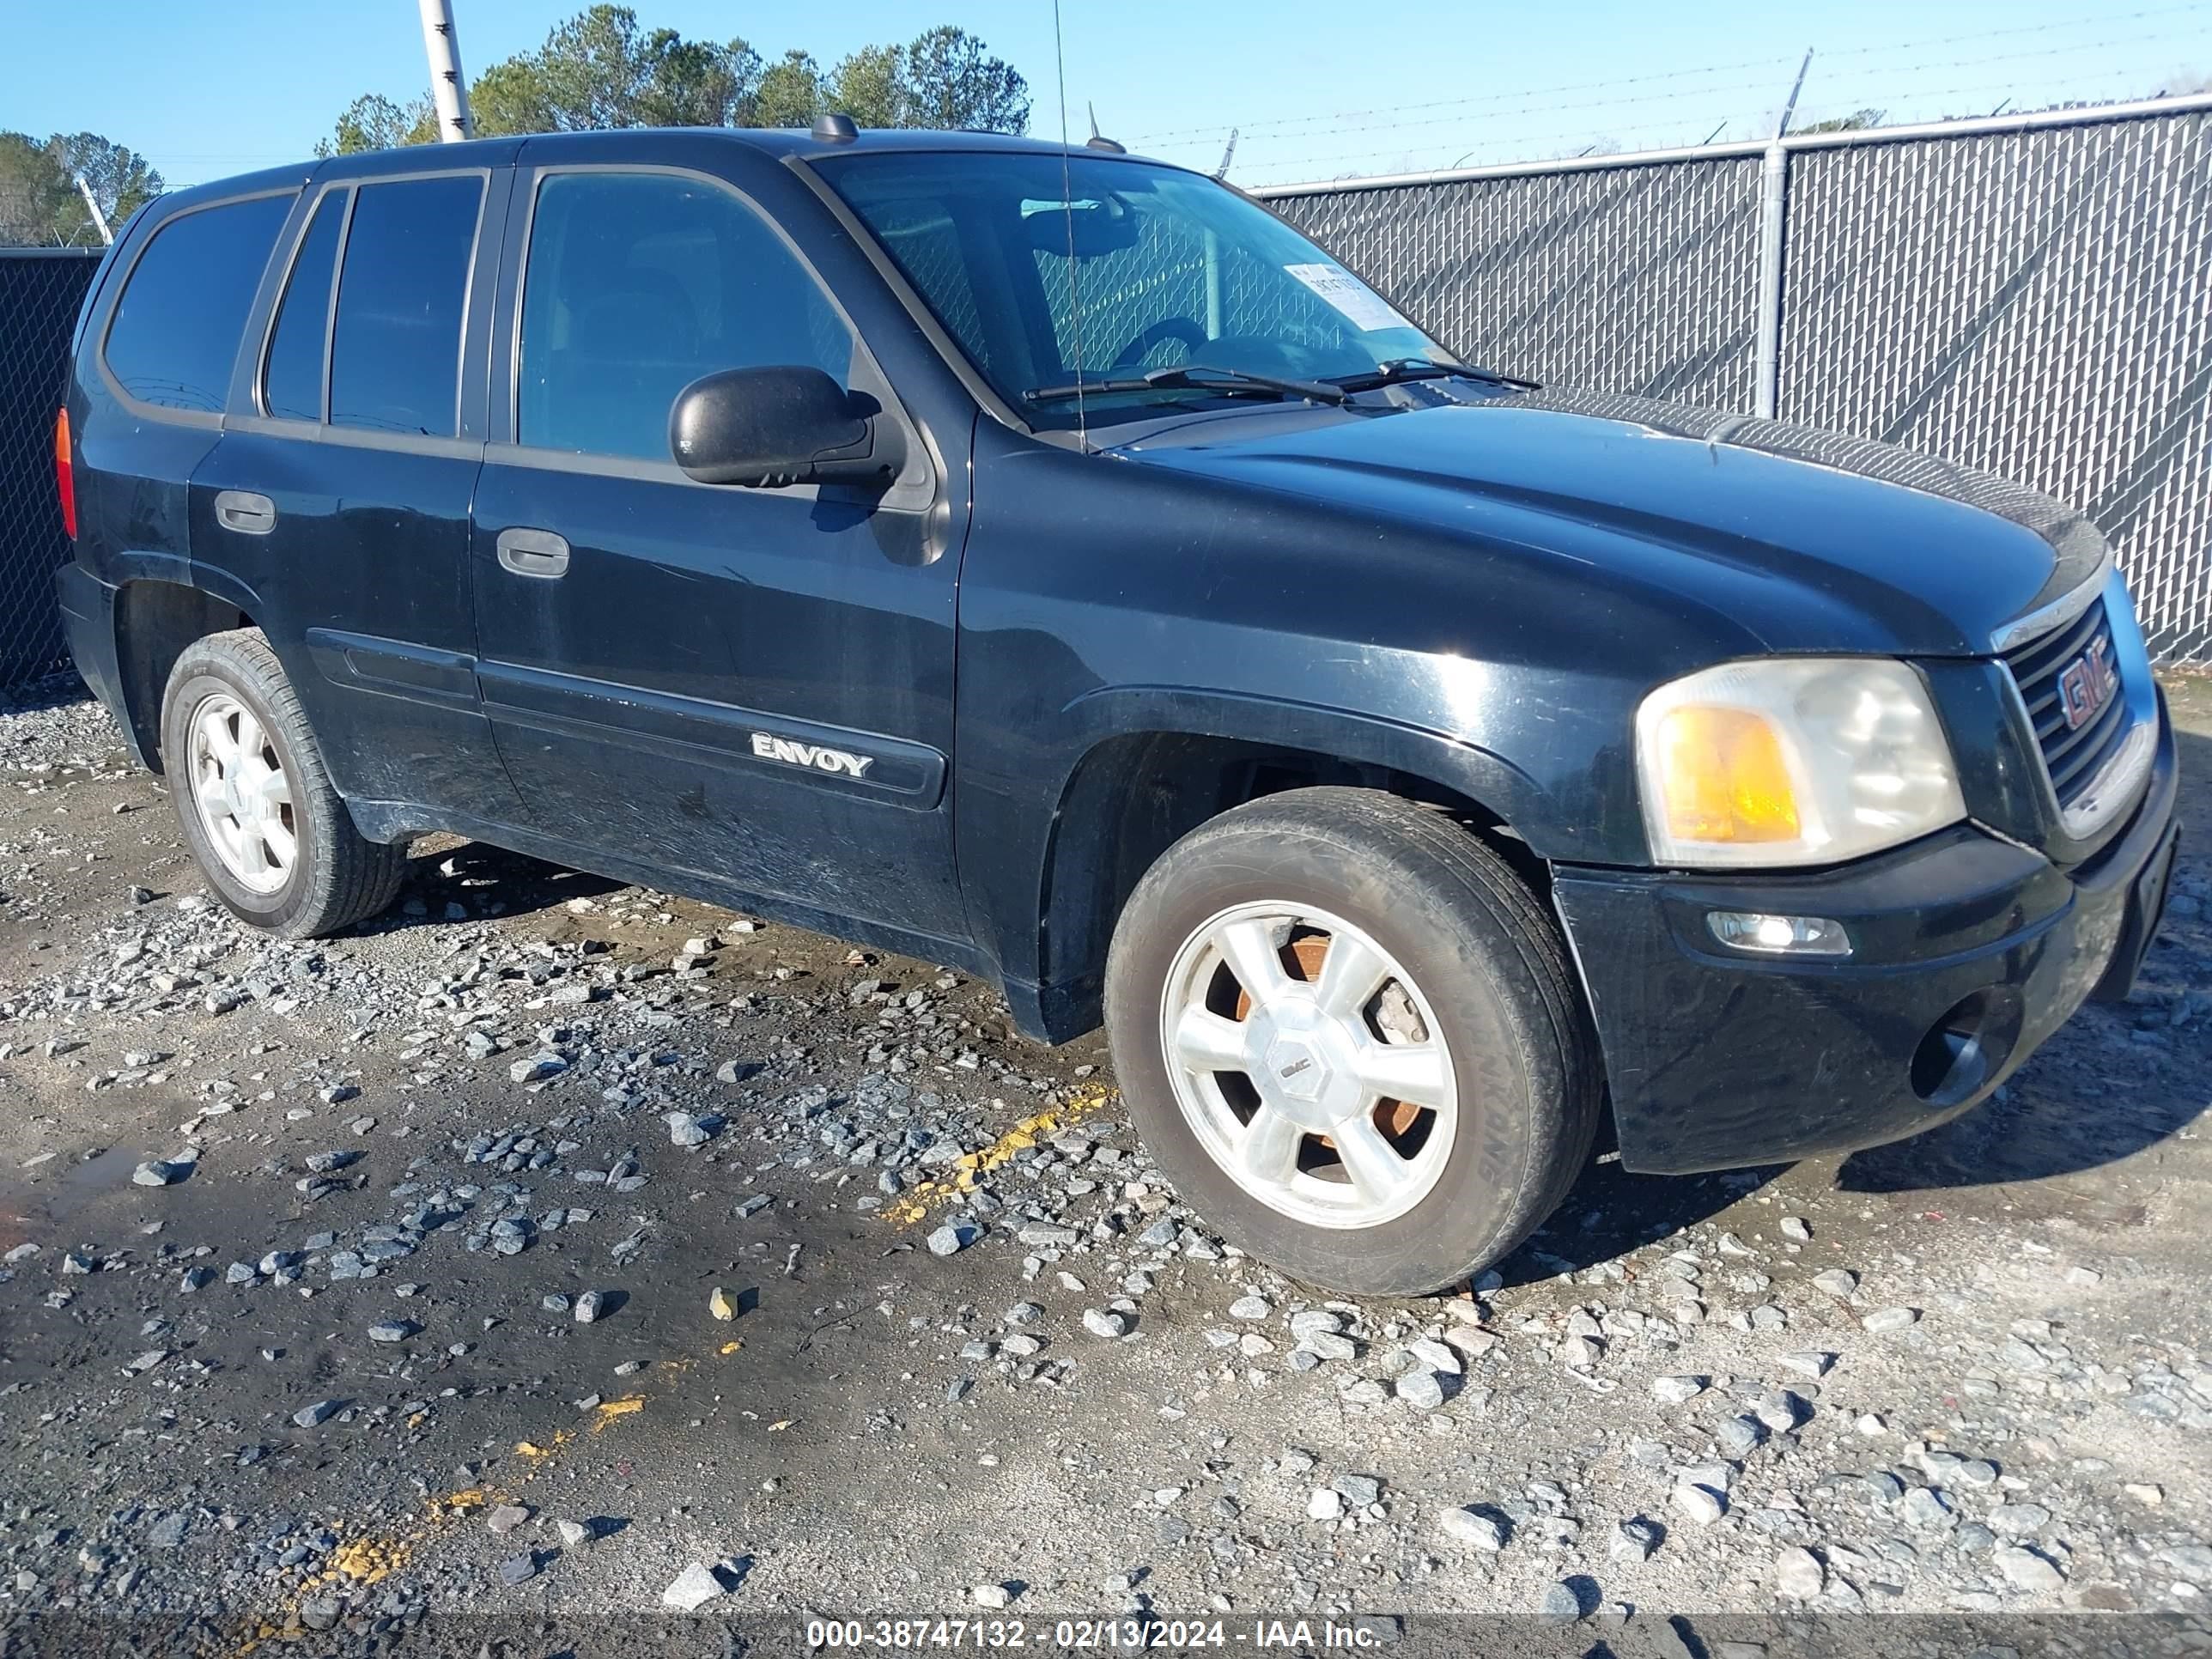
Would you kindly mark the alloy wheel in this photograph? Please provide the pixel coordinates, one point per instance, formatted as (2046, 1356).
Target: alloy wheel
(242, 796)
(1309, 1064)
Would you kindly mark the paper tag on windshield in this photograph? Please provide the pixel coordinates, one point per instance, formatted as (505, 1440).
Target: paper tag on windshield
(1360, 305)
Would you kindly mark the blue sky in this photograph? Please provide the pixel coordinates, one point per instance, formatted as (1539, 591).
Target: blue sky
(1318, 88)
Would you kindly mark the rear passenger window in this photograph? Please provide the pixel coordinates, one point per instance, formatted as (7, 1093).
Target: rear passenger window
(396, 350)
(637, 284)
(292, 386)
(175, 333)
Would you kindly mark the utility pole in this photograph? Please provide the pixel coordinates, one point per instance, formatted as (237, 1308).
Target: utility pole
(92, 205)
(448, 90)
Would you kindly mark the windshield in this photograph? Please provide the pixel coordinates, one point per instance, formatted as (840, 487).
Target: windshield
(1111, 269)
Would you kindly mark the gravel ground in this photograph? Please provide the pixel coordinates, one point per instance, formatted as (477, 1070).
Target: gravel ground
(552, 1250)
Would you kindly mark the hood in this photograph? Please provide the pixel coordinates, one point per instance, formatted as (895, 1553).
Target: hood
(1810, 540)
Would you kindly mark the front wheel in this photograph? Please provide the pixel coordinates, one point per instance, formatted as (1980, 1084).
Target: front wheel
(1350, 1034)
(272, 835)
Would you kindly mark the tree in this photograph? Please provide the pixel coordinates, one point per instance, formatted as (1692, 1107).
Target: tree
(1857, 121)
(951, 81)
(510, 98)
(601, 69)
(119, 180)
(372, 121)
(40, 203)
(33, 193)
(592, 70)
(870, 86)
(790, 93)
(692, 83)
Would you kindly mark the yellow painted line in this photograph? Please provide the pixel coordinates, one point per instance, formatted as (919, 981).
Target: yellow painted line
(370, 1557)
(361, 1561)
(611, 1409)
(916, 1205)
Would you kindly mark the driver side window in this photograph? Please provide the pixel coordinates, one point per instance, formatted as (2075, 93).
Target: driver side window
(638, 283)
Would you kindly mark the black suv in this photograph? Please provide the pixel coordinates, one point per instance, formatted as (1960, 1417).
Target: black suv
(1052, 564)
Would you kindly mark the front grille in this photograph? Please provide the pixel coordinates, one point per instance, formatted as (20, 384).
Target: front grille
(2071, 754)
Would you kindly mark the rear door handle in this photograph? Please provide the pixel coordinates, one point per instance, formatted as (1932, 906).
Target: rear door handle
(245, 512)
(533, 553)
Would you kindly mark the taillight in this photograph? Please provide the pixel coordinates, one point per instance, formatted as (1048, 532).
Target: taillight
(64, 473)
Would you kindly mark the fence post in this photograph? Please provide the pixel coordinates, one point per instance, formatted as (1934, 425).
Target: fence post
(1774, 179)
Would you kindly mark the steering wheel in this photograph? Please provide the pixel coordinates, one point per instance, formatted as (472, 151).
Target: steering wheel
(1167, 328)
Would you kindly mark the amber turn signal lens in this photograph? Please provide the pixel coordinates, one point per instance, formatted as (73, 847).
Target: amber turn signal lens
(1724, 777)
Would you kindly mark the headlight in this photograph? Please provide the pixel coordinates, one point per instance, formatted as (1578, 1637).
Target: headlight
(1792, 761)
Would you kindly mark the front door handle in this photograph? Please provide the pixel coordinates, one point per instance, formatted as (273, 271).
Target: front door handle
(245, 512)
(533, 553)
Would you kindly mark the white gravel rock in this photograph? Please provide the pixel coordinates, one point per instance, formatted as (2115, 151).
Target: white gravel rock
(2025, 1570)
(1437, 1356)
(1466, 1527)
(1699, 1505)
(1799, 1576)
(695, 1587)
(1421, 1390)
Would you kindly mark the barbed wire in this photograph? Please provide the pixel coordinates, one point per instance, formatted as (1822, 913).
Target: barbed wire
(1276, 125)
(1826, 89)
(1527, 141)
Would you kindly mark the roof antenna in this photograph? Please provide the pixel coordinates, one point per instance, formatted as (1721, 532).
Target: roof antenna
(1098, 140)
(1227, 155)
(1067, 206)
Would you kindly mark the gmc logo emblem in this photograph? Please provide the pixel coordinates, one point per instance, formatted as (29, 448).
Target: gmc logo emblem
(2086, 684)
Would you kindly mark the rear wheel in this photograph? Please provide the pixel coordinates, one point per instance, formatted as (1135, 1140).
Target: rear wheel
(272, 836)
(1350, 1034)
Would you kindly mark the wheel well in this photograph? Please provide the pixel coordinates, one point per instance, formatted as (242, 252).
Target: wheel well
(155, 621)
(1133, 797)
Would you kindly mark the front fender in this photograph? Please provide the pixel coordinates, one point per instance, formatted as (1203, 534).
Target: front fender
(1363, 739)
(1042, 870)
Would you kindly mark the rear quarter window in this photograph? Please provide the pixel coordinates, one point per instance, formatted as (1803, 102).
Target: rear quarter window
(403, 283)
(292, 382)
(176, 328)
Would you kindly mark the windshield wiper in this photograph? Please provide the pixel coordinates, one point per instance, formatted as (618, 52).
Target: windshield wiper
(1398, 370)
(1196, 377)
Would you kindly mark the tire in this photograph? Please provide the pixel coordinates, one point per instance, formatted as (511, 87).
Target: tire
(1476, 994)
(294, 867)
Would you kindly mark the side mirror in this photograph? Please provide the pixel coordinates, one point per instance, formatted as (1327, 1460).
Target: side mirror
(784, 425)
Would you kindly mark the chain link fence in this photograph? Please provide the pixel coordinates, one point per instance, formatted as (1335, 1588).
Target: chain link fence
(2029, 297)
(40, 291)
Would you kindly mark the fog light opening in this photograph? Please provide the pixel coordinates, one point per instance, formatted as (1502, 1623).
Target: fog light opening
(1770, 935)
(1965, 1048)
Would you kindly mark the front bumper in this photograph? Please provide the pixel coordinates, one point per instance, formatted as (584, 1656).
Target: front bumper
(1968, 952)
